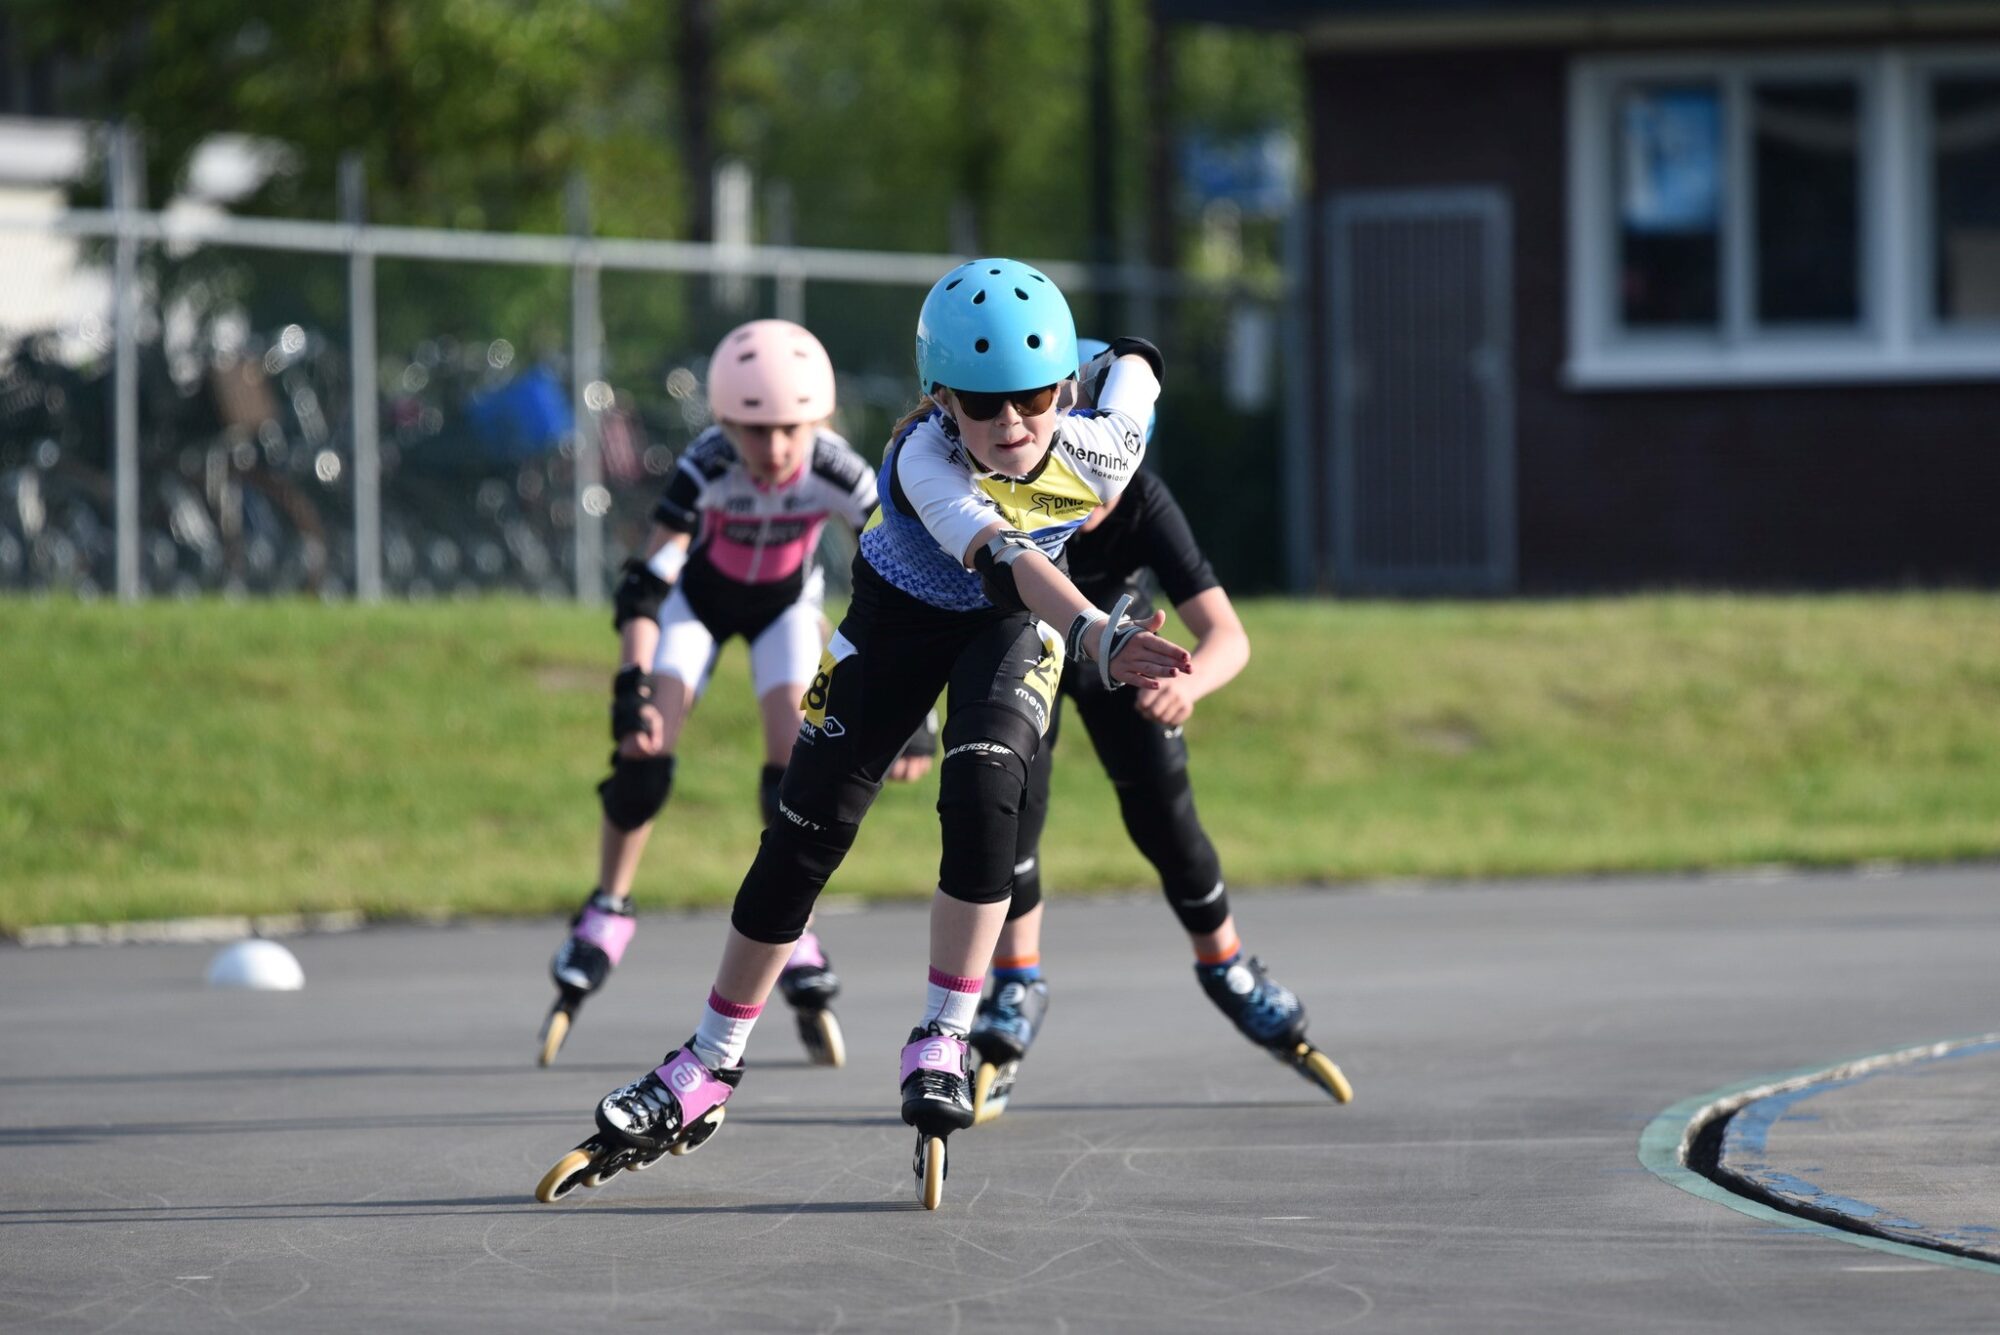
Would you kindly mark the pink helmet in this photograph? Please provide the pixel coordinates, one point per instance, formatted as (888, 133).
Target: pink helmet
(770, 373)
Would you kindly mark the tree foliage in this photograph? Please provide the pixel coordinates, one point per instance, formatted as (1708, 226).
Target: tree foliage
(893, 125)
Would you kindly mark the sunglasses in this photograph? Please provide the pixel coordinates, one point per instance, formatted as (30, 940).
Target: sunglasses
(982, 406)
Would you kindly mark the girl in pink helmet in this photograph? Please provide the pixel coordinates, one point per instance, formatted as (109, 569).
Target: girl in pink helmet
(730, 553)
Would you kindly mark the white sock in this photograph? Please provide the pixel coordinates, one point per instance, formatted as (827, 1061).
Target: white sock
(724, 1032)
(950, 1002)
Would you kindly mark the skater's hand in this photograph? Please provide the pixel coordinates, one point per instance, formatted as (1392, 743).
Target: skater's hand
(649, 741)
(1170, 704)
(1146, 660)
(908, 769)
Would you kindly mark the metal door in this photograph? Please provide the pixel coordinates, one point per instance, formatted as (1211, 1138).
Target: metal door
(1420, 287)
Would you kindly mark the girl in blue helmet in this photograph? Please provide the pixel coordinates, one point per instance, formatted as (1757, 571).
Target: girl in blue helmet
(960, 587)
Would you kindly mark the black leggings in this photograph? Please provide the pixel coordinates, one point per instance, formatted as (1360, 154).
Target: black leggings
(880, 674)
(1147, 764)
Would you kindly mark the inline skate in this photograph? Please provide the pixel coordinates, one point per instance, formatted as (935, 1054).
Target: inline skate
(1271, 1016)
(1004, 1029)
(810, 985)
(672, 1109)
(937, 1100)
(598, 935)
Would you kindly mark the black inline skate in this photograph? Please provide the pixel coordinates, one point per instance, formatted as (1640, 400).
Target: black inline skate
(1009, 1018)
(810, 985)
(598, 935)
(937, 1100)
(672, 1109)
(1271, 1016)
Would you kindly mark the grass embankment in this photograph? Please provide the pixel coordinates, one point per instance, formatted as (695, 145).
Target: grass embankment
(269, 757)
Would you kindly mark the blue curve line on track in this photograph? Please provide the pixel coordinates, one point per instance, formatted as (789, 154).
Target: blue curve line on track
(1660, 1152)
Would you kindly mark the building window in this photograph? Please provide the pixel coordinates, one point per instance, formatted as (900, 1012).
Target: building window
(1669, 205)
(1965, 197)
(1790, 217)
(1806, 172)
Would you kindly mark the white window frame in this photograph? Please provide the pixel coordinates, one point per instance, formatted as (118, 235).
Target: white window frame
(1898, 335)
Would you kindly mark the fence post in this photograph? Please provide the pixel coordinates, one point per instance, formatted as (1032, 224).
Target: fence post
(364, 411)
(127, 196)
(1297, 478)
(588, 396)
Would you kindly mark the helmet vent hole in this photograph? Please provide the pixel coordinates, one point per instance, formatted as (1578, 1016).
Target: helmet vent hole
(1038, 278)
(981, 346)
(1034, 340)
(742, 357)
(993, 271)
(753, 403)
(953, 283)
(979, 296)
(1019, 293)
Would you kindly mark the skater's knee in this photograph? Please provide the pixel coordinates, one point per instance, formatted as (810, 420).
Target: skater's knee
(797, 856)
(1027, 886)
(636, 790)
(980, 790)
(769, 780)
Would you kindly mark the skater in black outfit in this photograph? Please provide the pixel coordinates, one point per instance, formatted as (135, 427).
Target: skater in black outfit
(1138, 739)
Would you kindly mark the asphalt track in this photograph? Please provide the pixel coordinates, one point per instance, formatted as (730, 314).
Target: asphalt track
(360, 1155)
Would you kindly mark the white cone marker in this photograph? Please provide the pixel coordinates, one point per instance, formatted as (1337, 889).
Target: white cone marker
(260, 966)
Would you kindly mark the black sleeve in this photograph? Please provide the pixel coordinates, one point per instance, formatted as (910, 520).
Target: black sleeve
(679, 508)
(1168, 542)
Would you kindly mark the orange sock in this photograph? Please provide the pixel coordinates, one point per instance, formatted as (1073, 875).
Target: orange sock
(1228, 950)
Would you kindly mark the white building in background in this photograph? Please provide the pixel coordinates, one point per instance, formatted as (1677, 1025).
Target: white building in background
(48, 283)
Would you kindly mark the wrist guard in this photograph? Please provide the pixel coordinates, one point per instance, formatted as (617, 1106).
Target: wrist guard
(1104, 634)
(631, 692)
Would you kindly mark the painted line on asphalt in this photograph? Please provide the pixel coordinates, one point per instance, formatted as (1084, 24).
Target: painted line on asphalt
(1664, 1146)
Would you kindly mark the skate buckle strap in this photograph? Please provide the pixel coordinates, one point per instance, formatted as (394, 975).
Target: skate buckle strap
(609, 932)
(694, 1086)
(934, 1052)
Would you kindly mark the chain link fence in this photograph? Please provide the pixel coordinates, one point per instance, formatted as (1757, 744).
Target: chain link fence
(249, 407)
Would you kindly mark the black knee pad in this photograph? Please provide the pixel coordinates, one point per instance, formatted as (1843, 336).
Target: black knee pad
(793, 862)
(1160, 816)
(987, 751)
(769, 780)
(1027, 886)
(636, 790)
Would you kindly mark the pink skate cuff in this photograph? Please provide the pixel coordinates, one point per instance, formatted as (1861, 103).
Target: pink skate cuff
(941, 1052)
(807, 954)
(722, 1006)
(695, 1089)
(609, 932)
(951, 982)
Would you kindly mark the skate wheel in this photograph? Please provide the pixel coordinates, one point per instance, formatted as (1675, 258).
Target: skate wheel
(603, 1175)
(1320, 1069)
(553, 1034)
(831, 1050)
(710, 1123)
(930, 1171)
(565, 1177)
(982, 1087)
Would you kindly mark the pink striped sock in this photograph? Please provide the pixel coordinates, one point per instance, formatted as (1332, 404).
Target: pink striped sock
(951, 1002)
(724, 1032)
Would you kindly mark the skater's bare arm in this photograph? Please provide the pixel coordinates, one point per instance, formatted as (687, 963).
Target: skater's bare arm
(1142, 662)
(1221, 650)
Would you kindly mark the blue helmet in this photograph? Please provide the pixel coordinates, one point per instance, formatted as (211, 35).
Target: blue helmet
(992, 326)
(1086, 348)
